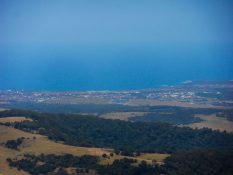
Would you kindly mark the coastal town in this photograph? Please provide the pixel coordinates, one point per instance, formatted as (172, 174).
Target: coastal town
(198, 93)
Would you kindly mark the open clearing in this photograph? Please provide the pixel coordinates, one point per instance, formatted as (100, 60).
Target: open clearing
(213, 122)
(122, 115)
(154, 156)
(149, 102)
(148, 157)
(37, 144)
(4, 168)
(13, 119)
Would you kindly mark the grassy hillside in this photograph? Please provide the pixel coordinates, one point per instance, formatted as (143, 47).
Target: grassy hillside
(36, 144)
(43, 148)
(90, 131)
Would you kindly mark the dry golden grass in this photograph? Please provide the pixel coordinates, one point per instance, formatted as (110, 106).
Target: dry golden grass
(122, 115)
(110, 159)
(4, 168)
(14, 119)
(39, 145)
(213, 122)
(148, 157)
(154, 156)
(8, 133)
(151, 102)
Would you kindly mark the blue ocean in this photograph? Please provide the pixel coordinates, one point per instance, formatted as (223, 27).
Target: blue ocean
(112, 67)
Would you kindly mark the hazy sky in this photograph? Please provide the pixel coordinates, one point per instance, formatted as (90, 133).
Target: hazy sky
(106, 44)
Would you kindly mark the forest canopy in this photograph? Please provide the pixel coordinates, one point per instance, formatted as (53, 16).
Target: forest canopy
(91, 131)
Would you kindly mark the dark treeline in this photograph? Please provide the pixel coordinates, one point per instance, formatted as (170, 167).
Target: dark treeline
(14, 144)
(120, 135)
(228, 114)
(178, 115)
(73, 108)
(47, 164)
(199, 162)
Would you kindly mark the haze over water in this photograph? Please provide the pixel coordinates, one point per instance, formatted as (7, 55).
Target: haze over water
(77, 45)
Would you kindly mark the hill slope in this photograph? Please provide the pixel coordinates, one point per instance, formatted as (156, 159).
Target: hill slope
(125, 136)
